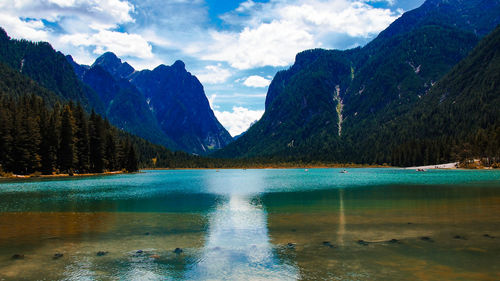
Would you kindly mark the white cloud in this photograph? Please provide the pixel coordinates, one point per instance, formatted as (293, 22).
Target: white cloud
(211, 100)
(273, 33)
(239, 120)
(107, 13)
(83, 28)
(214, 74)
(256, 81)
(274, 44)
(389, 2)
(17, 28)
(123, 44)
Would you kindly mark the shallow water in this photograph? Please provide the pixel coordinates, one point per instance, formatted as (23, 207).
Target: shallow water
(254, 225)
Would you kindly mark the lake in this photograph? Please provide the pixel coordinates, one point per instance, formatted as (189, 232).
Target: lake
(290, 224)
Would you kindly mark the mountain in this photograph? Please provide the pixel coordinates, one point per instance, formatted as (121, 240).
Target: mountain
(111, 63)
(124, 105)
(167, 105)
(49, 68)
(459, 118)
(173, 112)
(181, 107)
(332, 105)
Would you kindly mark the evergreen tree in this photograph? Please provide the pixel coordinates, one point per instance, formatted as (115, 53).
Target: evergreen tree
(83, 142)
(96, 135)
(132, 163)
(49, 142)
(67, 149)
(110, 152)
(5, 136)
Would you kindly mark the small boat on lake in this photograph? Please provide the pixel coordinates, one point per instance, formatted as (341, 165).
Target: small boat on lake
(421, 170)
(343, 171)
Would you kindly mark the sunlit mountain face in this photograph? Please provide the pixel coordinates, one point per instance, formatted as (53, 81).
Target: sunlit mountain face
(233, 47)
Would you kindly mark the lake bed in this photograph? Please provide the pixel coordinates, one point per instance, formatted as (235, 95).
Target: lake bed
(368, 224)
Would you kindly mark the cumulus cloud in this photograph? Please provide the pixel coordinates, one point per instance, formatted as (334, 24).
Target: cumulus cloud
(211, 100)
(272, 33)
(83, 28)
(18, 28)
(214, 74)
(121, 43)
(238, 120)
(256, 81)
(103, 13)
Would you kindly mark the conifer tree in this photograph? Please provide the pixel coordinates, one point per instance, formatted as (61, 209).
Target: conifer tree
(5, 136)
(132, 163)
(82, 135)
(67, 149)
(96, 136)
(49, 142)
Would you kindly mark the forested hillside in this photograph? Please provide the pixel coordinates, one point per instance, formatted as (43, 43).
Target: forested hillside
(60, 139)
(42, 132)
(459, 119)
(334, 106)
(48, 68)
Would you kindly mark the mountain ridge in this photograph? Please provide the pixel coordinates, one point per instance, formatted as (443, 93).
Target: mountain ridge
(330, 104)
(176, 100)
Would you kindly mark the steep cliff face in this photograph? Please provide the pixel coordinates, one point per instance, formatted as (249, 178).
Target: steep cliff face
(331, 105)
(172, 96)
(178, 101)
(112, 64)
(125, 106)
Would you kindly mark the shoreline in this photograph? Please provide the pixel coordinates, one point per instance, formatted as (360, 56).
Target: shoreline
(34, 177)
(447, 166)
(278, 167)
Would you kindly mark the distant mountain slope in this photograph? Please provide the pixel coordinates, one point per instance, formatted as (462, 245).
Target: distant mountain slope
(16, 85)
(166, 105)
(124, 105)
(49, 68)
(181, 107)
(459, 118)
(331, 105)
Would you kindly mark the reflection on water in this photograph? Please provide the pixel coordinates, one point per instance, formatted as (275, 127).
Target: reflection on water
(370, 224)
(341, 231)
(238, 246)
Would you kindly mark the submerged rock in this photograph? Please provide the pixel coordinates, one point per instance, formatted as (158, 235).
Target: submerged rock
(290, 245)
(394, 241)
(178, 250)
(426, 238)
(459, 237)
(18, 257)
(362, 242)
(58, 255)
(328, 244)
(488, 236)
(101, 253)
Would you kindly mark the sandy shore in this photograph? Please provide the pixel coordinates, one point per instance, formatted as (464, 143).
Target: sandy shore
(440, 166)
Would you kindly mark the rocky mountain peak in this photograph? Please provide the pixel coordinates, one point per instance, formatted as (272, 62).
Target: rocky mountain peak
(114, 65)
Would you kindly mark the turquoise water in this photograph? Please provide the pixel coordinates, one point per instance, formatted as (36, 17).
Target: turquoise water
(254, 225)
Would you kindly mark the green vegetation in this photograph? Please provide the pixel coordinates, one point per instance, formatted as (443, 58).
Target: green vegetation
(48, 68)
(61, 139)
(392, 109)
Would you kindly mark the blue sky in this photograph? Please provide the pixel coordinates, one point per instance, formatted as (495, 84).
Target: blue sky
(233, 47)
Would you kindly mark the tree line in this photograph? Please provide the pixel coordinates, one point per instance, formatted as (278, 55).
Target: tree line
(62, 138)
